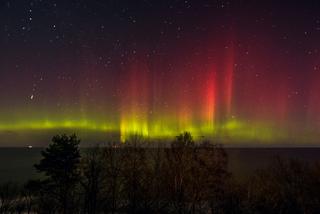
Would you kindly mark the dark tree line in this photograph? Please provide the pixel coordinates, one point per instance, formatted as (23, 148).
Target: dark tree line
(187, 177)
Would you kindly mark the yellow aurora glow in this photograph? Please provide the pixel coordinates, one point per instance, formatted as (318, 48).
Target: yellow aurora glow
(232, 130)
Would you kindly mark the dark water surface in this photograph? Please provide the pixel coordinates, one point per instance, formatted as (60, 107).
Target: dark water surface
(16, 164)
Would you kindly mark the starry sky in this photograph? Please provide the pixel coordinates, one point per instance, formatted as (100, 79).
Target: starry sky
(239, 72)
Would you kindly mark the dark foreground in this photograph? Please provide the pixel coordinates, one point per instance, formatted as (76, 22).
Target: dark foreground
(16, 164)
(187, 177)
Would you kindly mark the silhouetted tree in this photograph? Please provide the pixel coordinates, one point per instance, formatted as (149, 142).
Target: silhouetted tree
(133, 174)
(179, 164)
(287, 186)
(30, 194)
(113, 160)
(154, 182)
(92, 179)
(183, 140)
(196, 176)
(212, 163)
(9, 196)
(60, 165)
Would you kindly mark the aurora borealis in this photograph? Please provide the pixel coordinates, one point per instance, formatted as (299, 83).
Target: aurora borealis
(241, 72)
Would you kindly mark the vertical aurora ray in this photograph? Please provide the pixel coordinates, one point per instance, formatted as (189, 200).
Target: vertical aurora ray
(184, 106)
(228, 80)
(313, 106)
(134, 100)
(209, 105)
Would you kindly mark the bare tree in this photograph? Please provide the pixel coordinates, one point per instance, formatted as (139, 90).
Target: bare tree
(286, 186)
(112, 165)
(92, 179)
(133, 173)
(9, 197)
(178, 170)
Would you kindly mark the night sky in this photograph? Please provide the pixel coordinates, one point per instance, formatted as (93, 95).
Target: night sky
(242, 72)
